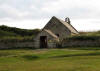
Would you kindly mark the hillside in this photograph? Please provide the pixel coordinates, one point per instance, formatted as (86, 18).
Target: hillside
(13, 31)
(96, 33)
(17, 34)
(6, 33)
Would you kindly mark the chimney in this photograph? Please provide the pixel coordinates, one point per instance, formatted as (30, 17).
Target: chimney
(67, 20)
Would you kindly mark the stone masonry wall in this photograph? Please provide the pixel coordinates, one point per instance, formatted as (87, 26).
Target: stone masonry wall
(10, 45)
(87, 43)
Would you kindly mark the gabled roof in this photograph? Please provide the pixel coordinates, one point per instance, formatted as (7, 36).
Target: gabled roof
(69, 26)
(51, 33)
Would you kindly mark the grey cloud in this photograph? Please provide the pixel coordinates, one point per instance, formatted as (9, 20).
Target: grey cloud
(24, 6)
(75, 13)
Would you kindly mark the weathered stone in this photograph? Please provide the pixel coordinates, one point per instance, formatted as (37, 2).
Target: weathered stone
(55, 31)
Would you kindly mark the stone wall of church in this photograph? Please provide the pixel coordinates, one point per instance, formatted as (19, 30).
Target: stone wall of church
(58, 28)
(50, 40)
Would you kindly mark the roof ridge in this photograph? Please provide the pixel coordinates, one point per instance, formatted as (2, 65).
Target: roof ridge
(69, 26)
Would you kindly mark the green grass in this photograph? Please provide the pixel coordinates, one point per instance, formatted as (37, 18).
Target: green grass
(70, 59)
(5, 33)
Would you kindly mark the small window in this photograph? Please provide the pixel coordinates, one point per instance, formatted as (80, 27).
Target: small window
(57, 35)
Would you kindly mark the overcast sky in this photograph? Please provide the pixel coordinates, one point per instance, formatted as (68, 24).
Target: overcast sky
(30, 14)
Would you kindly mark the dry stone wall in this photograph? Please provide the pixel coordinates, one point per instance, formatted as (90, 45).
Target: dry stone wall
(80, 43)
(18, 45)
(14, 45)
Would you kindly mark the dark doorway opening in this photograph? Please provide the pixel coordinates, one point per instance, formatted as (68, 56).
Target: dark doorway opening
(43, 41)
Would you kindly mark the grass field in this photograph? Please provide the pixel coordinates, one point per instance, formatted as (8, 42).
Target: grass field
(73, 59)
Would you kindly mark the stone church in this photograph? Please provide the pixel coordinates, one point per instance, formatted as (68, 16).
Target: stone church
(55, 31)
